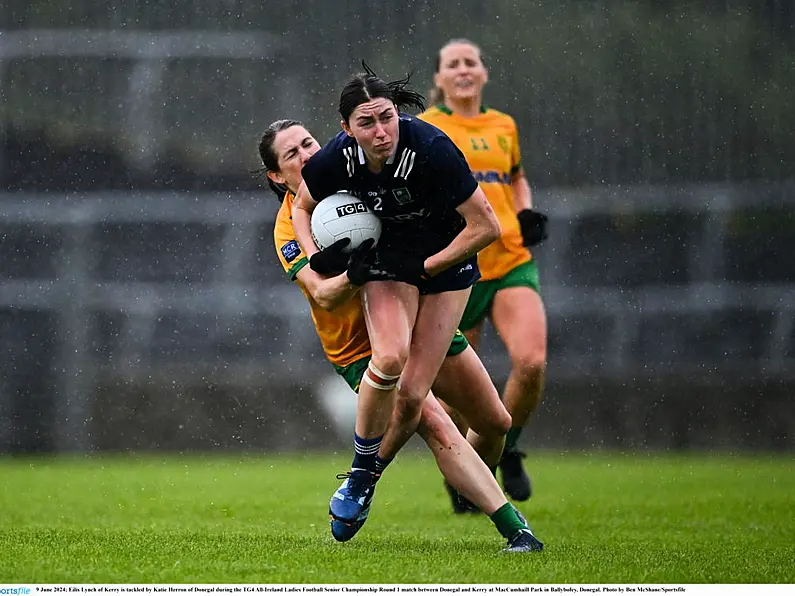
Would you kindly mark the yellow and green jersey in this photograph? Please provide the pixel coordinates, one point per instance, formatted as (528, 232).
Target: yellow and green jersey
(490, 143)
(343, 332)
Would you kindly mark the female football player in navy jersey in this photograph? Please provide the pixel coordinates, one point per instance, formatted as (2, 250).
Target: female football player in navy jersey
(339, 319)
(434, 221)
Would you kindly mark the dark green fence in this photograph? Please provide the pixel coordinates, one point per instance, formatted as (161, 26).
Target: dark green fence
(611, 91)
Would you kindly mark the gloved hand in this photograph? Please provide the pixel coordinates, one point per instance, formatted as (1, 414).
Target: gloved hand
(533, 225)
(405, 267)
(364, 265)
(331, 259)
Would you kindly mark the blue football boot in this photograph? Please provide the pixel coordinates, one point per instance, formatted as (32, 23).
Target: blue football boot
(344, 531)
(523, 541)
(353, 496)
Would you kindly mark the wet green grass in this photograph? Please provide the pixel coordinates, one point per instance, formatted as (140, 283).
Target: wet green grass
(604, 518)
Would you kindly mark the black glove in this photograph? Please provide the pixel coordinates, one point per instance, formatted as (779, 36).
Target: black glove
(331, 259)
(364, 265)
(533, 225)
(405, 267)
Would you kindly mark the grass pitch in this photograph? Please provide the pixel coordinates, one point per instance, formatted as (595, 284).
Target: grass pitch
(604, 518)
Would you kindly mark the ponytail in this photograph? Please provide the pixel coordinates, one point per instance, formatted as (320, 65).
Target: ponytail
(367, 85)
(436, 96)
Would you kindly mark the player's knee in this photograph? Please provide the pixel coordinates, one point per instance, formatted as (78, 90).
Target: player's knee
(407, 409)
(530, 362)
(496, 424)
(412, 393)
(490, 418)
(500, 422)
(378, 379)
(391, 361)
(409, 404)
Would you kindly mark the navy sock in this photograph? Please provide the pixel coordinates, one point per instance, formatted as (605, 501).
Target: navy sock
(366, 452)
(381, 464)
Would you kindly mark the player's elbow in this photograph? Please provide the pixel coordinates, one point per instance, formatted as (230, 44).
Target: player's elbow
(327, 303)
(321, 297)
(328, 298)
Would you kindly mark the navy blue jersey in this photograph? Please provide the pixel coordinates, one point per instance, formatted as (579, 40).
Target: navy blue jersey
(416, 193)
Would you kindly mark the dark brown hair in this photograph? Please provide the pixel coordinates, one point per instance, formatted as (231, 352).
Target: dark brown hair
(367, 85)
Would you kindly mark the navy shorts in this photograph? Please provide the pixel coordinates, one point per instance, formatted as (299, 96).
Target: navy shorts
(458, 277)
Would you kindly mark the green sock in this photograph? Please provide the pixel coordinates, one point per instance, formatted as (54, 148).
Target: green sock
(506, 520)
(512, 438)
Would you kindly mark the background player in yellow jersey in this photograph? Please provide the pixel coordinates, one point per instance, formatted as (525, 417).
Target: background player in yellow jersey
(339, 319)
(508, 291)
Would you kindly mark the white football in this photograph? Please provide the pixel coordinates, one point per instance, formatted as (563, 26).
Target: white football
(342, 215)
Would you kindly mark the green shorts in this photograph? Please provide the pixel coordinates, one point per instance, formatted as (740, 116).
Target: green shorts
(354, 372)
(483, 292)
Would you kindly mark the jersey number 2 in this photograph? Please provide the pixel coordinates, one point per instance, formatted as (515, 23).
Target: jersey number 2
(377, 206)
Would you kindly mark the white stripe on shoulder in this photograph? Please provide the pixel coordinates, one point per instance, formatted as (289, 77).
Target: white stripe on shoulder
(348, 153)
(406, 164)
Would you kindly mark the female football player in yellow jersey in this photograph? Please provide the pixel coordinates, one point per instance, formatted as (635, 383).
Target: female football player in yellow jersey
(339, 320)
(508, 291)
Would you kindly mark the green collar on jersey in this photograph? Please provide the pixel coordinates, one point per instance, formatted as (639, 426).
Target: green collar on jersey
(445, 110)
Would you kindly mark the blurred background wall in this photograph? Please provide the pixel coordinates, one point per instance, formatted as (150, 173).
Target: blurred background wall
(141, 305)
